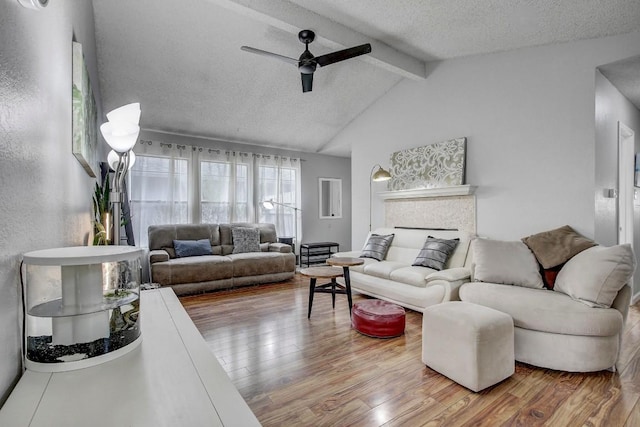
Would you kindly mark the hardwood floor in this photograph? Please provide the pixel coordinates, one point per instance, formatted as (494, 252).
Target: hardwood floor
(320, 372)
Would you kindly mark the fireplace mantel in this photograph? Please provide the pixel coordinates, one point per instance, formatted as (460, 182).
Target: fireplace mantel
(457, 190)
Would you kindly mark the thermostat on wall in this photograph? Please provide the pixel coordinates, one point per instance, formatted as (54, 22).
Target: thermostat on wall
(34, 4)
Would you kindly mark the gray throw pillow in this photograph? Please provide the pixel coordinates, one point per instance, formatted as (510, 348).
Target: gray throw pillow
(377, 246)
(435, 253)
(245, 240)
(185, 248)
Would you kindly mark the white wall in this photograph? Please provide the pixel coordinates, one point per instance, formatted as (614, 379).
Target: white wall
(45, 195)
(611, 107)
(325, 230)
(313, 167)
(529, 118)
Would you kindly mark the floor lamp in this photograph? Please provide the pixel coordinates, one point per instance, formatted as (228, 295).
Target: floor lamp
(121, 133)
(270, 204)
(379, 175)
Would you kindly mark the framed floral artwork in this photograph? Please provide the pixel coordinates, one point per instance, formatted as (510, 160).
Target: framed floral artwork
(432, 166)
(85, 114)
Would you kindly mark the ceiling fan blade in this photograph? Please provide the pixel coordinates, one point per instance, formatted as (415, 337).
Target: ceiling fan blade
(270, 55)
(341, 55)
(307, 82)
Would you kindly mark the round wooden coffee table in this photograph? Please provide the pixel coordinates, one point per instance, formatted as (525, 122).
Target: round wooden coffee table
(345, 263)
(332, 287)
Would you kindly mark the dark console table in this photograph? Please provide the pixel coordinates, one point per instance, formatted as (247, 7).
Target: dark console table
(317, 252)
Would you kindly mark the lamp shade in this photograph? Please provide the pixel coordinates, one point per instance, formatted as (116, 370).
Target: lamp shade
(129, 113)
(113, 159)
(268, 204)
(381, 175)
(121, 136)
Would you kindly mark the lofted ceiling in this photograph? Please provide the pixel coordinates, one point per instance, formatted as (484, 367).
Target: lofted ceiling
(182, 60)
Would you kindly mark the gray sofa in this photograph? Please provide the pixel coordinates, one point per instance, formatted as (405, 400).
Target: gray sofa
(275, 262)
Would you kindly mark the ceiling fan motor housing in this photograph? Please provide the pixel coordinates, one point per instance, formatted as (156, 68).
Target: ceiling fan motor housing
(306, 36)
(307, 64)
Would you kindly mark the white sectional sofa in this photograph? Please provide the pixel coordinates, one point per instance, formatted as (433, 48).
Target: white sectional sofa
(575, 327)
(394, 279)
(554, 331)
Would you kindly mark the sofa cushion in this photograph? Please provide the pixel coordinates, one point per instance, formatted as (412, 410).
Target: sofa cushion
(260, 263)
(510, 263)
(596, 275)
(203, 268)
(544, 310)
(245, 240)
(185, 248)
(414, 275)
(435, 253)
(383, 269)
(377, 246)
(554, 247)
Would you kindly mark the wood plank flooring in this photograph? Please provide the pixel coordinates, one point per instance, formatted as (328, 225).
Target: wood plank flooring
(320, 372)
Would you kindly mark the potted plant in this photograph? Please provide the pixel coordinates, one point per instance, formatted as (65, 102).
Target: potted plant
(102, 214)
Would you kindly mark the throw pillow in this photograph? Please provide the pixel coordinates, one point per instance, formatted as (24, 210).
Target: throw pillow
(377, 246)
(558, 246)
(596, 275)
(509, 263)
(245, 240)
(185, 248)
(435, 253)
(549, 275)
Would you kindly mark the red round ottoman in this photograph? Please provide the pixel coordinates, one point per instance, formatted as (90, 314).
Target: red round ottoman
(377, 318)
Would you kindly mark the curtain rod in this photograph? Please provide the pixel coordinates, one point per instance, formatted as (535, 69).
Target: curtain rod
(210, 150)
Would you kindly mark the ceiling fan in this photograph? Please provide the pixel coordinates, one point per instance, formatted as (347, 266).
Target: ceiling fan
(307, 63)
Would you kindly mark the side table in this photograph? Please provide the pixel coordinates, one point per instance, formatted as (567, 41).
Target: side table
(345, 263)
(323, 273)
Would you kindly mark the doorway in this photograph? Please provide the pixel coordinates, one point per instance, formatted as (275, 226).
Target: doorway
(626, 180)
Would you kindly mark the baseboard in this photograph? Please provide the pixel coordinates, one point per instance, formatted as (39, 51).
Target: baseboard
(635, 298)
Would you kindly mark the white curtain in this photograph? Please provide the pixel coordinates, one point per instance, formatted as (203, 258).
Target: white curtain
(226, 186)
(178, 184)
(278, 179)
(161, 187)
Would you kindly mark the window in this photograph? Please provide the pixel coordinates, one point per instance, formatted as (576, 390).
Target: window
(158, 192)
(224, 192)
(278, 183)
(223, 187)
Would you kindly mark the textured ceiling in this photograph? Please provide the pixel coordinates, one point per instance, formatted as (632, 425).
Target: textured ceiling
(182, 60)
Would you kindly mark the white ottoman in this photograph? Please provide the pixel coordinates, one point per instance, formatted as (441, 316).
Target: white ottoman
(469, 343)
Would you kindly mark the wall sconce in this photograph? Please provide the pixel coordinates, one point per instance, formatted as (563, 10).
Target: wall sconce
(121, 133)
(379, 175)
